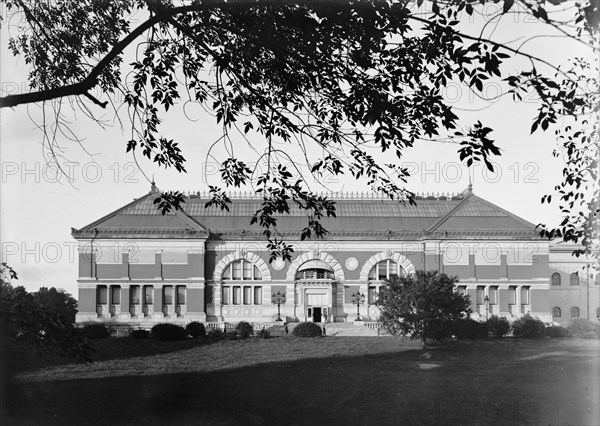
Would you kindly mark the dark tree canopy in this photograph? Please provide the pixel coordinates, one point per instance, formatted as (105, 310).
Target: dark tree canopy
(423, 305)
(343, 80)
(43, 321)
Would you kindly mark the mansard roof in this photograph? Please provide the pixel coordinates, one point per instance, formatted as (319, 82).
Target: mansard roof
(358, 217)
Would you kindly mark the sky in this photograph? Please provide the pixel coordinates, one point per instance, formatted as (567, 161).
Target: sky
(38, 206)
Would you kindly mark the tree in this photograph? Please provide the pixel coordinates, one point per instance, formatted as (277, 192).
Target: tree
(423, 305)
(341, 80)
(57, 301)
(30, 325)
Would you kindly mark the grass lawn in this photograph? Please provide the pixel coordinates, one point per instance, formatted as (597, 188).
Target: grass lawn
(332, 381)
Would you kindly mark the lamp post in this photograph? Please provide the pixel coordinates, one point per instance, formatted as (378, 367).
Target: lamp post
(278, 299)
(486, 299)
(358, 299)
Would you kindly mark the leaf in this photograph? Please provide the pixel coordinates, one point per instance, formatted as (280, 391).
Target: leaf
(507, 5)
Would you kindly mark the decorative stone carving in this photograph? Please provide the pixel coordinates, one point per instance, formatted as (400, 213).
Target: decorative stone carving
(351, 263)
(278, 264)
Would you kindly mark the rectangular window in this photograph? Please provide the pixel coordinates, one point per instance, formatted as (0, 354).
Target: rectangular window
(237, 293)
(512, 295)
(372, 295)
(247, 270)
(148, 294)
(237, 270)
(102, 295)
(168, 295)
(382, 270)
(461, 289)
(225, 295)
(135, 294)
(258, 295)
(208, 294)
(524, 295)
(115, 295)
(247, 295)
(493, 295)
(479, 294)
(181, 295)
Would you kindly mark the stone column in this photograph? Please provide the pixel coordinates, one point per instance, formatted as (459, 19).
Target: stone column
(125, 302)
(518, 300)
(158, 302)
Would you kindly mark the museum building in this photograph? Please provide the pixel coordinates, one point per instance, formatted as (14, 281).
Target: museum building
(140, 267)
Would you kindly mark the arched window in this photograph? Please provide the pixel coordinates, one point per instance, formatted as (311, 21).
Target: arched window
(315, 270)
(556, 313)
(575, 279)
(574, 312)
(385, 269)
(241, 270)
(555, 280)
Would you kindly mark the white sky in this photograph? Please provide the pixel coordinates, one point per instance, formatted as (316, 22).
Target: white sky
(37, 212)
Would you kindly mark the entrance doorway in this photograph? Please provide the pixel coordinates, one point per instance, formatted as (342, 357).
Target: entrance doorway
(317, 314)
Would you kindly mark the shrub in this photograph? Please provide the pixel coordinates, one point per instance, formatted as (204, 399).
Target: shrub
(582, 328)
(528, 327)
(467, 328)
(196, 329)
(95, 331)
(263, 334)
(307, 329)
(216, 333)
(244, 330)
(232, 335)
(139, 334)
(497, 326)
(168, 332)
(555, 331)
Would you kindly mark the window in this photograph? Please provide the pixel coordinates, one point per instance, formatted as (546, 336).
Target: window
(462, 289)
(148, 294)
(372, 295)
(181, 295)
(168, 295)
(237, 292)
(493, 295)
(575, 312)
(574, 278)
(241, 270)
(208, 294)
(512, 295)
(480, 294)
(247, 295)
(555, 280)
(225, 295)
(258, 295)
(315, 274)
(236, 268)
(524, 295)
(102, 294)
(135, 294)
(115, 294)
(384, 270)
(556, 313)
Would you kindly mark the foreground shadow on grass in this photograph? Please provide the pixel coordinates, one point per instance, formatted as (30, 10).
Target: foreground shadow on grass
(471, 386)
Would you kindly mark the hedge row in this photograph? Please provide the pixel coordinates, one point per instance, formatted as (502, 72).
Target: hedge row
(525, 327)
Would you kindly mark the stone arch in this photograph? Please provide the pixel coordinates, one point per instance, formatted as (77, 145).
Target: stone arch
(395, 256)
(238, 255)
(338, 271)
